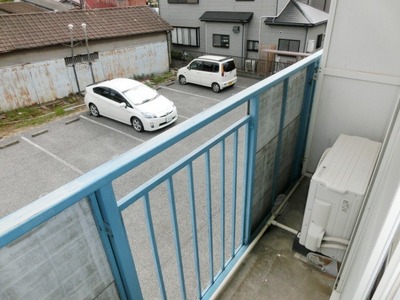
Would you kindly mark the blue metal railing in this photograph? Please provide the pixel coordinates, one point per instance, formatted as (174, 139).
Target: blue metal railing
(209, 194)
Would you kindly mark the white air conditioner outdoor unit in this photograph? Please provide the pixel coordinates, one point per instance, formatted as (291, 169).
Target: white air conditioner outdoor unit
(236, 29)
(310, 46)
(250, 65)
(336, 193)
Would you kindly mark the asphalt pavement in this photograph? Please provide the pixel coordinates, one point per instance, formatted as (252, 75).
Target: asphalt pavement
(39, 160)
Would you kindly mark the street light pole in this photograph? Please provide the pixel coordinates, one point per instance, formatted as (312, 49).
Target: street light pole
(71, 31)
(87, 50)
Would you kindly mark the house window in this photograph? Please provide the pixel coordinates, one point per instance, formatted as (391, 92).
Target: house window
(186, 36)
(81, 58)
(320, 39)
(289, 45)
(221, 40)
(184, 1)
(252, 45)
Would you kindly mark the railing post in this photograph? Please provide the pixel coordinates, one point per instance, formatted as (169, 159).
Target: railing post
(308, 97)
(253, 110)
(115, 241)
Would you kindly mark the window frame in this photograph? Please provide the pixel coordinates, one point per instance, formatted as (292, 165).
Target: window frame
(320, 41)
(180, 31)
(221, 43)
(288, 47)
(255, 45)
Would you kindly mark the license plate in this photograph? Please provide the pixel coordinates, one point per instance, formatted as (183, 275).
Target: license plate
(169, 118)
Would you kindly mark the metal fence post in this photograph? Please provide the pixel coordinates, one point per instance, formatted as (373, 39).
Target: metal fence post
(253, 110)
(109, 219)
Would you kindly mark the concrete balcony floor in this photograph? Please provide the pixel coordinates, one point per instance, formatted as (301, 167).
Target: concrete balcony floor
(272, 270)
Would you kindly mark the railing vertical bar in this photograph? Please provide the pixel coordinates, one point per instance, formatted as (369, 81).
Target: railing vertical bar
(194, 228)
(209, 214)
(177, 243)
(245, 180)
(251, 149)
(107, 245)
(223, 179)
(280, 141)
(150, 230)
(234, 192)
(119, 241)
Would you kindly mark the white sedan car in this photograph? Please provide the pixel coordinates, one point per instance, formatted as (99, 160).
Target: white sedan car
(131, 102)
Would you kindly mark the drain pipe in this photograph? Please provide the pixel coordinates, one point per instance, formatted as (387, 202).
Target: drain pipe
(255, 241)
(275, 223)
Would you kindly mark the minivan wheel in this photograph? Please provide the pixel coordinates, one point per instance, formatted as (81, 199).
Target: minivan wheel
(182, 80)
(215, 87)
(93, 110)
(137, 124)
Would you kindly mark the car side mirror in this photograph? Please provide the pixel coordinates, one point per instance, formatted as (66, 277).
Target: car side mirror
(122, 104)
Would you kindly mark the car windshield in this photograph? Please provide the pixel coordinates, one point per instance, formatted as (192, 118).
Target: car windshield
(140, 94)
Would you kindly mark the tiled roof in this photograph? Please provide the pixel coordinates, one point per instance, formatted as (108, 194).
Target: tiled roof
(20, 8)
(298, 14)
(37, 30)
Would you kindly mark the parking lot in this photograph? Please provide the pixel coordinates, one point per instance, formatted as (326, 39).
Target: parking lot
(37, 161)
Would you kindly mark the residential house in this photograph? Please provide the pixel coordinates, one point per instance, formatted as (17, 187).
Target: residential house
(45, 56)
(240, 28)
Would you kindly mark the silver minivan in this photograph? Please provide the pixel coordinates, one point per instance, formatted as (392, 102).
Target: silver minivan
(217, 72)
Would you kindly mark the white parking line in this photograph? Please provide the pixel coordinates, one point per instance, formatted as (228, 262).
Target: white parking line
(240, 86)
(113, 129)
(197, 96)
(53, 155)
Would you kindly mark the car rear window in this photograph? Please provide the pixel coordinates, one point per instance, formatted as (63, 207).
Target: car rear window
(229, 66)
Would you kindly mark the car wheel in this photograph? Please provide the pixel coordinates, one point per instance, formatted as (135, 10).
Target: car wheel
(137, 124)
(93, 110)
(182, 80)
(215, 87)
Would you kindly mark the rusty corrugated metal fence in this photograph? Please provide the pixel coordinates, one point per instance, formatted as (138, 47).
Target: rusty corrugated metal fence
(41, 82)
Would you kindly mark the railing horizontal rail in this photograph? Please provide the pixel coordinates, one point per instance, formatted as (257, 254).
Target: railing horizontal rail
(161, 177)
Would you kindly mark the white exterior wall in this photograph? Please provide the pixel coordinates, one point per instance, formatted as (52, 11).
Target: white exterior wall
(359, 80)
(187, 15)
(236, 47)
(357, 92)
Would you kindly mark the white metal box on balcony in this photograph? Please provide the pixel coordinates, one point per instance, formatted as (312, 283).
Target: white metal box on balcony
(336, 192)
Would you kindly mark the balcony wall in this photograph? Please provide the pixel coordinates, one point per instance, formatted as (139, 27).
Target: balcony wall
(178, 233)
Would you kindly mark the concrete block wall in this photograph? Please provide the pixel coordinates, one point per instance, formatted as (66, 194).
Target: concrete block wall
(267, 141)
(62, 258)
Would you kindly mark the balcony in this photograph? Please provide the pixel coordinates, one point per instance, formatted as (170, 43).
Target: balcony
(207, 223)
(179, 233)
